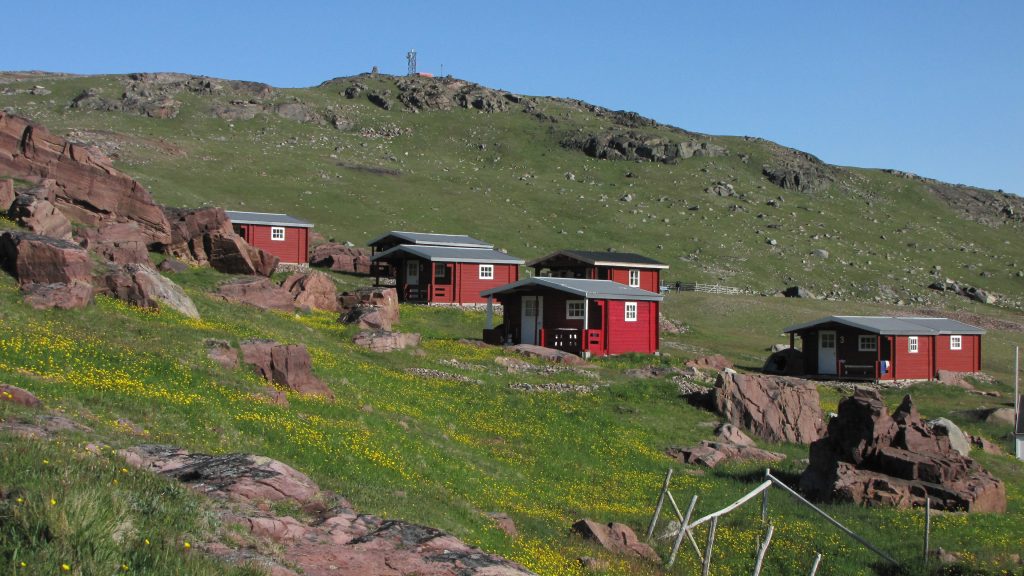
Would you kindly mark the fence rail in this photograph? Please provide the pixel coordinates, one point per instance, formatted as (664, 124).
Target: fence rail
(709, 288)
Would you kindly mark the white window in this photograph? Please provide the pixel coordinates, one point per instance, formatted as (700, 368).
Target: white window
(912, 344)
(630, 311)
(956, 342)
(634, 278)
(276, 233)
(487, 271)
(828, 340)
(867, 343)
(574, 309)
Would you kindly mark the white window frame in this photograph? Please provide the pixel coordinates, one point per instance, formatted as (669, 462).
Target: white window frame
(867, 343)
(912, 345)
(956, 342)
(486, 272)
(570, 304)
(631, 312)
(277, 233)
(634, 278)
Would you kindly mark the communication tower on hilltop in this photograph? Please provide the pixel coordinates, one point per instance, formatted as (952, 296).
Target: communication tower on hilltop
(411, 57)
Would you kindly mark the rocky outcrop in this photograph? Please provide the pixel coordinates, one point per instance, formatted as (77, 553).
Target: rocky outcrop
(628, 145)
(869, 457)
(384, 341)
(775, 408)
(117, 242)
(6, 195)
(233, 255)
(35, 211)
(341, 258)
(369, 308)
(258, 292)
(142, 286)
(798, 171)
(287, 365)
(221, 352)
(87, 189)
(971, 292)
(52, 273)
(616, 538)
(710, 453)
(312, 290)
(788, 361)
(204, 236)
(548, 354)
(16, 395)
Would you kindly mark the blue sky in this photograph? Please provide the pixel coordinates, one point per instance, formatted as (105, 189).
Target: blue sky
(935, 87)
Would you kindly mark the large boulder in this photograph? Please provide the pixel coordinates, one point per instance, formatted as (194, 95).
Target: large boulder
(35, 211)
(87, 187)
(341, 258)
(204, 236)
(52, 273)
(869, 457)
(312, 290)
(548, 354)
(788, 361)
(117, 242)
(287, 365)
(775, 408)
(258, 292)
(231, 254)
(384, 300)
(616, 538)
(142, 286)
(384, 341)
(367, 318)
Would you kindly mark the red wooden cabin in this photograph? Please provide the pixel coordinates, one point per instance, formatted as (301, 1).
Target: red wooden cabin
(585, 317)
(283, 236)
(886, 347)
(441, 268)
(622, 267)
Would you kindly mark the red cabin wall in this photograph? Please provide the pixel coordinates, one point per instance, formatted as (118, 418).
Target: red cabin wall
(468, 284)
(294, 249)
(622, 337)
(967, 359)
(914, 366)
(649, 279)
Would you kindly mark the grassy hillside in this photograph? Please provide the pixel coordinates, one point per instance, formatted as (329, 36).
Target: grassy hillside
(504, 176)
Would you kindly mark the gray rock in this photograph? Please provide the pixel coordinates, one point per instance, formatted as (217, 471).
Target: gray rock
(957, 439)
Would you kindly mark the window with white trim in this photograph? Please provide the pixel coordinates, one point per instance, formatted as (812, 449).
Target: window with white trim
(912, 344)
(630, 311)
(574, 309)
(276, 233)
(634, 278)
(487, 271)
(867, 343)
(956, 342)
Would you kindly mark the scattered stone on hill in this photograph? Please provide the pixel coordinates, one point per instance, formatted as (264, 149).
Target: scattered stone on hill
(87, 187)
(258, 292)
(958, 379)
(385, 341)
(795, 170)
(341, 258)
(799, 292)
(117, 242)
(715, 362)
(287, 365)
(43, 426)
(988, 207)
(869, 457)
(504, 523)
(17, 395)
(548, 354)
(513, 365)
(438, 94)
(312, 290)
(141, 285)
(6, 194)
(556, 387)
(381, 98)
(693, 381)
(788, 361)
(776, 408)
(652, 371)
(616, 538)
(221, 352)
(204, 236)
(52, 273)
(299, 112)
(984, 445)
(34, 210)
(132, 102)
(709, 454)
(957, 439)
(972, 292)
(373, 308)
(172, 265)
(440, 375)
(354, 90)
(669, 326)
(629, 145)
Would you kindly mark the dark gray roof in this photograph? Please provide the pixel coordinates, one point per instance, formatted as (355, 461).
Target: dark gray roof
(451, 254)
(430, 239)
(893, 325)
(594, 289)
(266, 218)
(597, 258)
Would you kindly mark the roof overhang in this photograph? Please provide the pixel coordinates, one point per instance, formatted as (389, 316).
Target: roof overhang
(609, 261)
(266, 219)
(588, 289)
(892, 325)
(430, 239)
(450, 254)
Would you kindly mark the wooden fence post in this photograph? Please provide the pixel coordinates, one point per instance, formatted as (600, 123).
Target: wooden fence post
(762, 550)
(682, 532)
(706, 568)
(927, 527)
(661, 502)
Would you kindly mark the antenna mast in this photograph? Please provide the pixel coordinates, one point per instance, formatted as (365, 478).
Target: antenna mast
(411, 57)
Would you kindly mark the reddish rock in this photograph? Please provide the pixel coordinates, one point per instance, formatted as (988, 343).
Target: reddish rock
(259, 292)
(715, 362)
(341, 258)
(230, 254)
(729, 434)
(987, 447)
(221, 352)
(710, 454)
(288, 365)
(368, 318)
(32, 258)
(312, 290)
(548, 354)
(17, 395)
(58, 295)
(142, 286)
(504, 523)
(383, 341)
(869, 457)
(117, 242)
(35, 212)
(172, 265)
(6, 195)
(383, 299)
(776, 408)
(615, 537)
(88, 189)
(204, 236)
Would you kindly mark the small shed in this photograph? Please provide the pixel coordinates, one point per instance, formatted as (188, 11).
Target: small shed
(887, 347)
(623, 267)
(581, 316)
(282, 235)
(447, 274)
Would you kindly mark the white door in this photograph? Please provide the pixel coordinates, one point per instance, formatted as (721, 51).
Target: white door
(827, 352)
(531, 319)
(412, 272)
